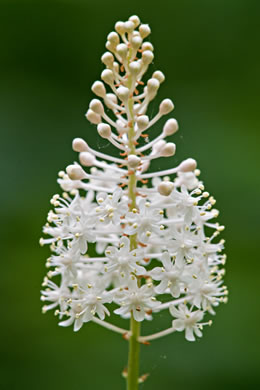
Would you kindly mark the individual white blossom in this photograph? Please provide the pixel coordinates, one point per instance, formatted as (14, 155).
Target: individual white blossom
(143, 241)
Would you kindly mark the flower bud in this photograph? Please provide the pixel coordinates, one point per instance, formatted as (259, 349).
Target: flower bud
(104, 130)
(142, 122)
(188, 165)
(122, 50)
(133, 161)
(99, 89)
(110, 98)
(147, 57)
(136, 42)
(93, 117)
(159, 76)
(147, 46)
(129, 26)
(108, 59)
(79, 145)
(134, 68)
(166, 107)
(96, 106)
(110, 46)
(170, 127)
(165, 188)
(157, 147)
(87, 159)
(135, 20)
(144, 30)
(107, 76)
(152, 86)
(120, 27)
(123, 93)
(168, 150)
(75, 172)
(113, 38)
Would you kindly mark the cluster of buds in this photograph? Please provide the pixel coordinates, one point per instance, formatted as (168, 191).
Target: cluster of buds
(154, 231)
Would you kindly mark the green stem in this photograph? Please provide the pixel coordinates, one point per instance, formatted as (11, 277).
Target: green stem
(135, 327)
(133, 356)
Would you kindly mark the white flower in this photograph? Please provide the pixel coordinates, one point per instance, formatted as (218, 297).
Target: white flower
(145, 221)
(110, 208)
(153, 234)
(170, 276)
(138, 300)
(187, 320)
(123, 260)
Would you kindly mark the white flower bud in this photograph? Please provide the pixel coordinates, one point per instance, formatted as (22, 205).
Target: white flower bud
(123, 93)
(166, 107)
(134, 68)
(122, 50)
(188, 165)
(107, 76)
(129, 26)
(120, 27)
(168, 150)
(110, 97)
(93, 117)
(133, 161)
(87, 159)
(147, 57)
(170, 127)
(79, 145)
(110, 46)
(116, 67)
(99, 89)
(75, 172)
(136, 42)
(159, 76)
(96, 106)
(144, 30)
(152, 86)
(142, 122)
(104, 130)
(157, 147)
(113, 38)
(135, 20)
(165, 188)
(147, 46)
(108, 59)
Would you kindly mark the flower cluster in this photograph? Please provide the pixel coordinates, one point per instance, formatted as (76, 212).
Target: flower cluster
(155, 236)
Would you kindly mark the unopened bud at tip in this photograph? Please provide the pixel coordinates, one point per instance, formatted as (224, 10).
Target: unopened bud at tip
(159, 76)
(166, 106)
(104, 130)
(142, 122)
(165, 188)
(87, 159)
(170, 127)
(96, 106)
(123, 93)
(135, 19)
(93, 117)
(168, 150)
(107, 76)
(188, 165)
(99, 89)
(133, 161)
(79, 145)
(75, 172)
(144, 30)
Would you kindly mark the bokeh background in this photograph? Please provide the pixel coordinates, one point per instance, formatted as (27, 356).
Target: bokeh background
(49, 57)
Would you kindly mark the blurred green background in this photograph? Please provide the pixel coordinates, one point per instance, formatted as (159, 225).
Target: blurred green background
(50, 55)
